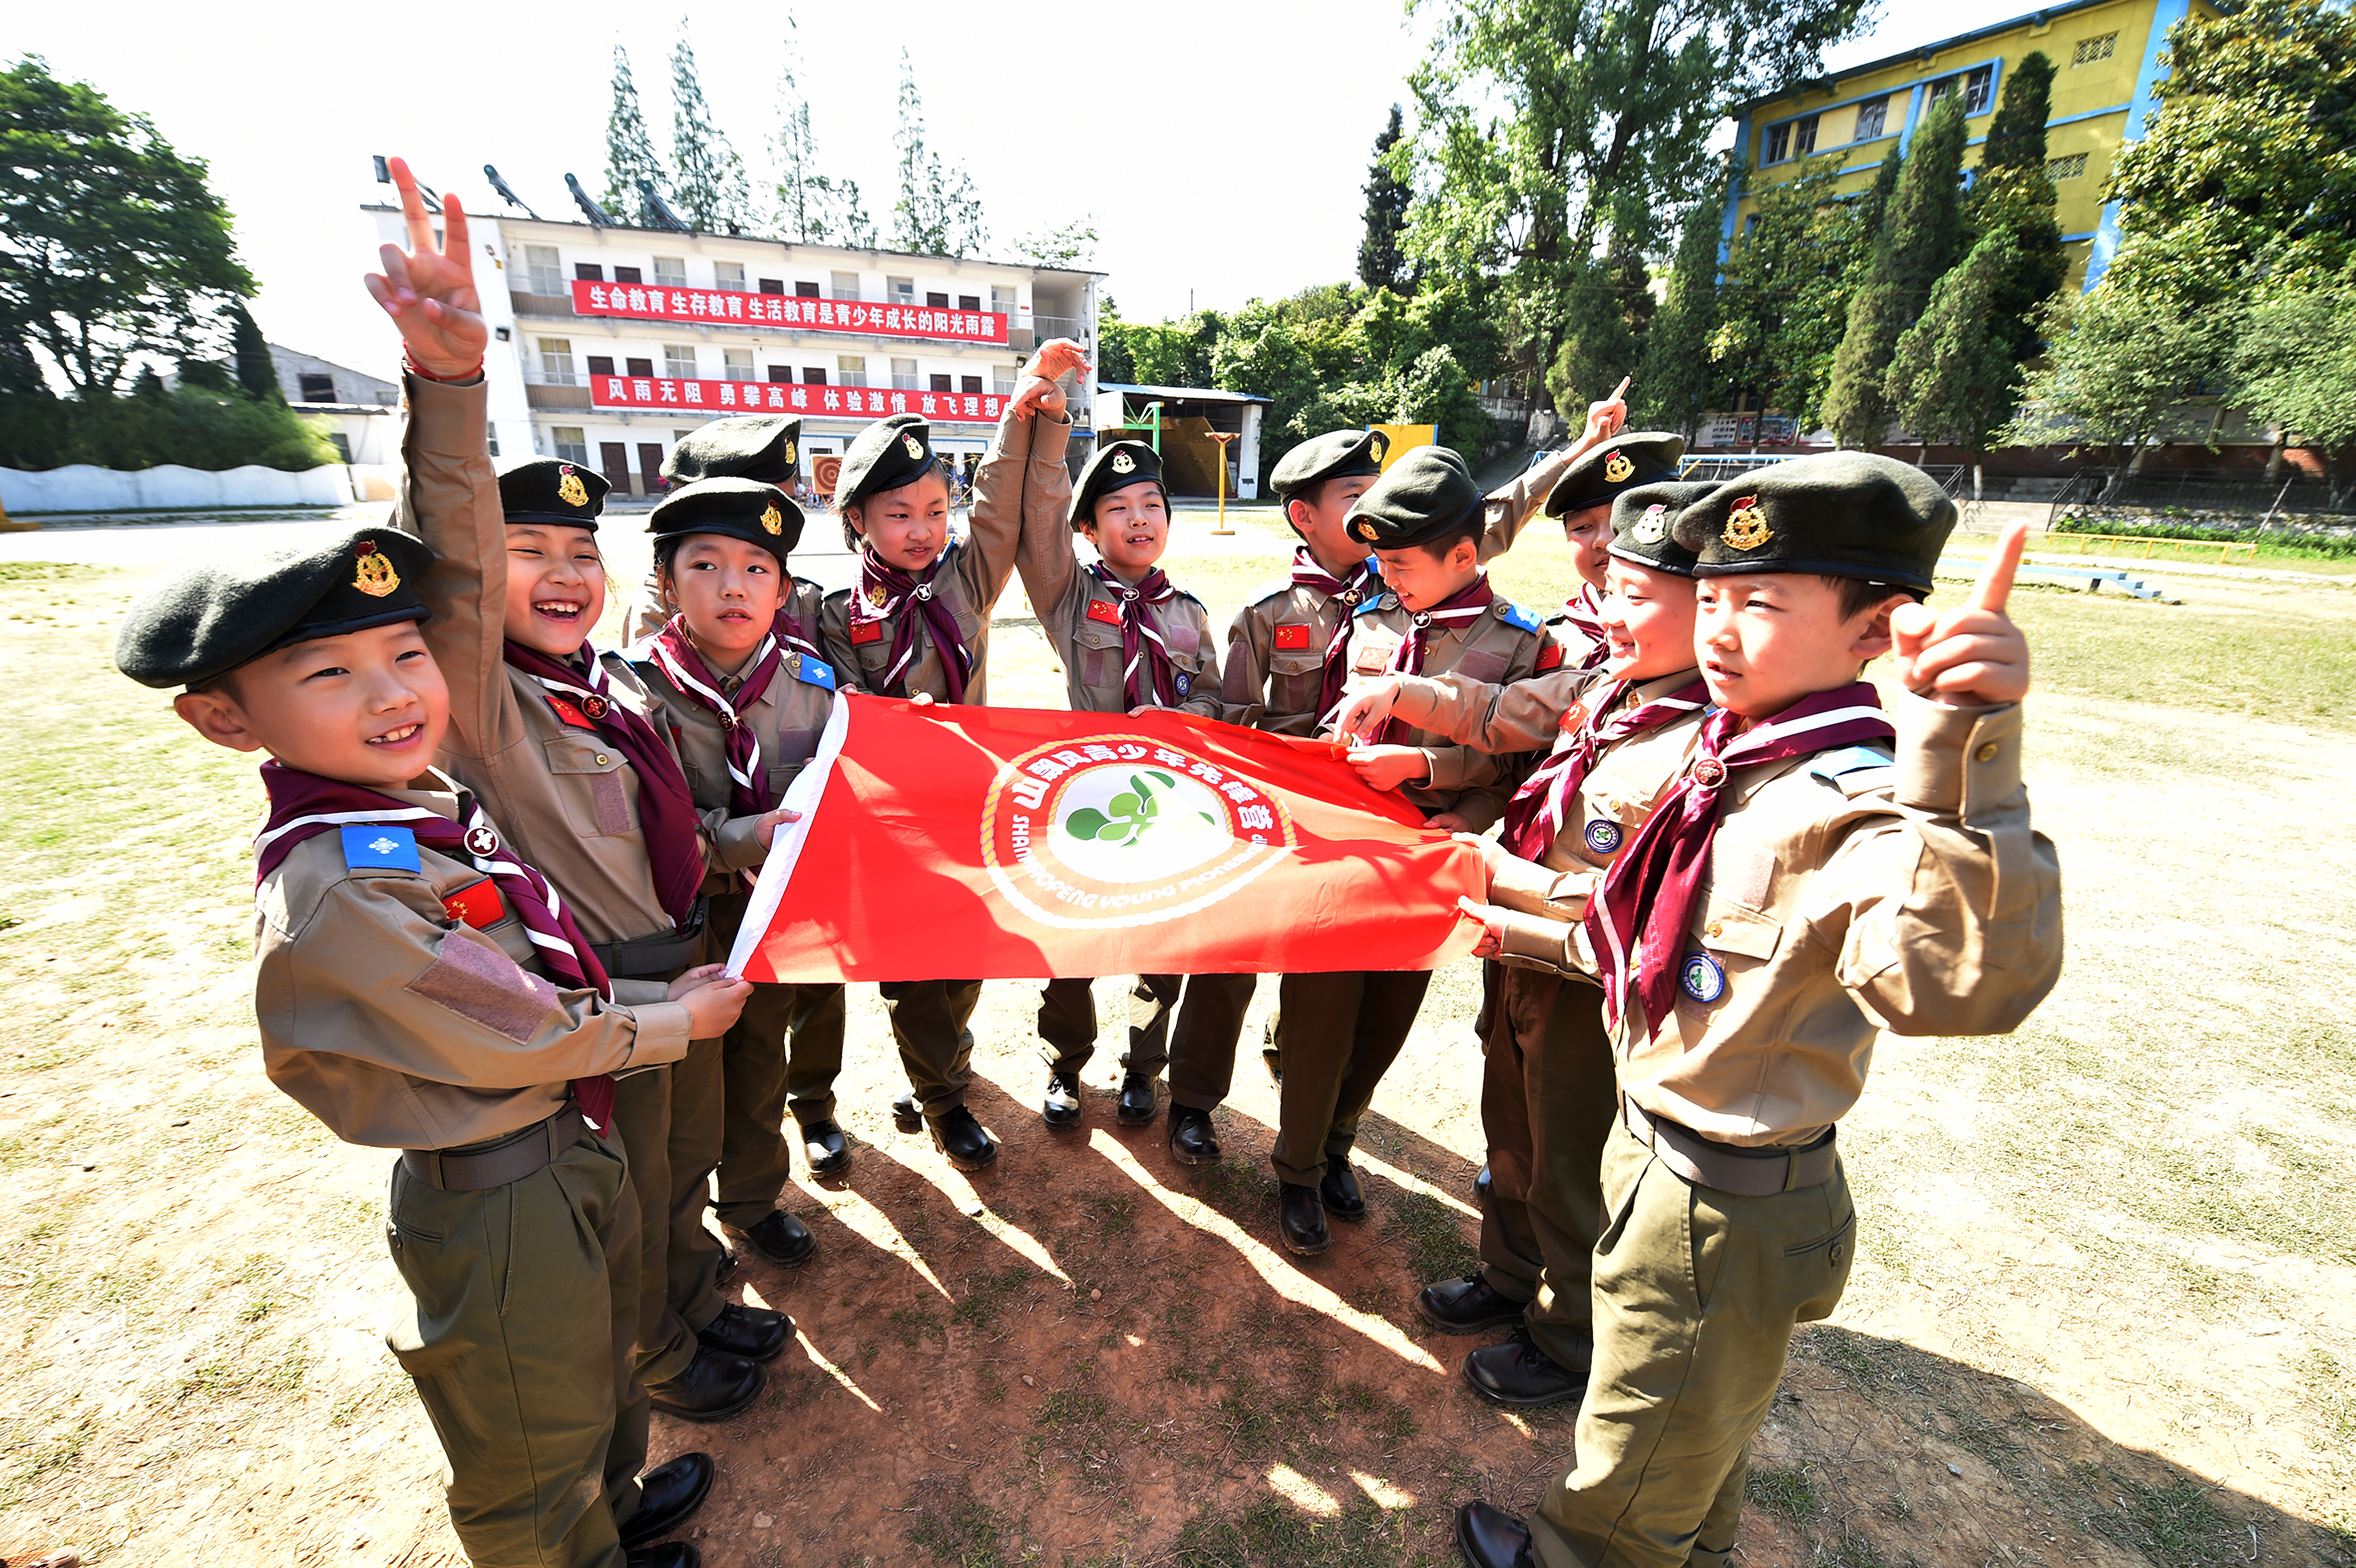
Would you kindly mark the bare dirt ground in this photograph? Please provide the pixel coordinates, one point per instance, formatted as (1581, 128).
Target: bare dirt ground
(2101, 1310)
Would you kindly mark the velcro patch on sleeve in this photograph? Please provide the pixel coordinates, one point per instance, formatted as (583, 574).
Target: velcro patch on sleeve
(1292, 638)
(1183, 638)
(612, 803)
(473, 978)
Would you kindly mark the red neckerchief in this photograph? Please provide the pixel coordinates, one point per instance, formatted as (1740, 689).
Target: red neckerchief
(1364, 583)
(667, 808)
(304, 805)
(1584, 611)
(884, 589)
(1642, 911)
(1142, 650)
(675, 656)
(788, 630)
(1462, 608)
(1534, 816)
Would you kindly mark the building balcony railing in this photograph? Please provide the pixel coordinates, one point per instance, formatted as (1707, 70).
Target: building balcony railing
(541, 304)
(542, 395)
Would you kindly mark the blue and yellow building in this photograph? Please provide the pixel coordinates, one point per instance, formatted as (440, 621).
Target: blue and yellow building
(2107, 58)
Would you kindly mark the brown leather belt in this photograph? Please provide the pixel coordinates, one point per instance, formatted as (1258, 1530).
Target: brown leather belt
(479, 1167)
(1723, 1167)
(653, 958)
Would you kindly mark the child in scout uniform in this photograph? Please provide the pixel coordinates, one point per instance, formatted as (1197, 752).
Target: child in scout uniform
(746, 697)
(917, 624)
(1620, 733)
(1425, 520)
(1582, 497)
(1127, 639)
(421, 987)
(1816, 874)
(766, 447)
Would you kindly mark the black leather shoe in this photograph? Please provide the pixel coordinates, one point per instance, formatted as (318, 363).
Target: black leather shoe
(960, 1138)
(1192, 1138)
(827, 1150)
(1482, 1187)
(1137, 1102)
(1273, 1060)
(1062, 1106)
(1340, 1191)
(782, 1239)
(906, 1114)
(1467, 1305)
(1490, 1537)
(754, 1333)
(1300, 1216)
(667, 1494)
(725, 1265)
(1521, 1376)
(670, 1554)
(714, 1387)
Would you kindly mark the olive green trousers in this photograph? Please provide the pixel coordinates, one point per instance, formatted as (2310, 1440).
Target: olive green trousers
(1338, 1034)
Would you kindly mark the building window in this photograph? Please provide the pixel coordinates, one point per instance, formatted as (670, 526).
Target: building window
(1778, 143)
(342, 445)
(935, 301)
(600, 364)
(812, 376)
(941, 384)
(904, 375)
(781, 372)
(852, 368)
(772, 286)
(318, 389)
(541, 275)
(805, 290)
(555, 362)
(729, 275)
(740, 362)
(1002, 300)
(640, 367)
(628, 274)
(1975, 89)
(969, 383)
(588, 272)
(571, 443)
(899, 290)
(2091, 50)
(678, 361)
(969, 301)
(2066, 168)
(843, 285)
(672, 271)
(1001, 380)
(1803, 135)
(1872, 118)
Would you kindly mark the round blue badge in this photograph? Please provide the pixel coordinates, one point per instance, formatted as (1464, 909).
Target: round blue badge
(1603, 836)
(1181, 680)
(1703, 977)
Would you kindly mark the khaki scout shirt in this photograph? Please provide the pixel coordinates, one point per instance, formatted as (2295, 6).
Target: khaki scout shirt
(1277, 690)
(566, 800)
(1914, 898)
(647, 615)
(785, 718)
(971, 579)
(403, 1029)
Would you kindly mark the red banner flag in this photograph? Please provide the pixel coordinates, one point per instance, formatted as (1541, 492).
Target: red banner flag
(1019, 843)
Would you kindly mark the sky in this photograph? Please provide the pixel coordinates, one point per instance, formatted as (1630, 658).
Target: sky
(1220, 150)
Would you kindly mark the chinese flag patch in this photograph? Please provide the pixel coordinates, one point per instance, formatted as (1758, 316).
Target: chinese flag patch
(1294, 637)
(1098, 609)
(866, 632)
(1549, 657)
(478, 904)
(571, 715)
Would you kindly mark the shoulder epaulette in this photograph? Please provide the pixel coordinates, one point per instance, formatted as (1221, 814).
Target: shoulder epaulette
(809, 583)
(812, 671)
(1833, 766)
(841, 593)
(1281, 585)
(1514, 616)
(1376, 601)
(372, 846)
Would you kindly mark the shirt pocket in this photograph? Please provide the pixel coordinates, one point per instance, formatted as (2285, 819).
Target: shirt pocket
(1096, 653)
(592, 778)
(1733, 941)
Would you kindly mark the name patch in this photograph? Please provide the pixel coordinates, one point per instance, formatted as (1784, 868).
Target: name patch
(371, 848)
(1292, 638)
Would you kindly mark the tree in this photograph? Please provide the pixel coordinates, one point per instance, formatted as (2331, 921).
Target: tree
(811, 207)
(1073, 244)
(1917, 245)
(708, 189)
(1380, 261)
(1607, 113)
(629, 151)
(111, 243)
(1953, 374)
(252, 352)
(2294, 365)
(938, 213)
(1784, 294)
(2121, 360)
(1434, 390)
(2012, 193)
(1605, 317)
(1675, 382)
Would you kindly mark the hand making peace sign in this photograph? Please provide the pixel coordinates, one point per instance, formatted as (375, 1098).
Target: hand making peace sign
(1973, 655)
(430, 293)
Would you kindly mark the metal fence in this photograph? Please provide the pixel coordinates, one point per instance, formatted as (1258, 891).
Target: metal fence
(2197, 496)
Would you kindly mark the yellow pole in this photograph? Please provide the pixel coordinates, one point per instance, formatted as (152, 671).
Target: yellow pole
(1223, 436)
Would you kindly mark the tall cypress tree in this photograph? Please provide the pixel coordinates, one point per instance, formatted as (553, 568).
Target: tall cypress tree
(1952, 377)
(1917, 245)
(2012, 193)
(629, 151)
(251, 351)
(709, 189)
(1676, 380)
(1379, 260)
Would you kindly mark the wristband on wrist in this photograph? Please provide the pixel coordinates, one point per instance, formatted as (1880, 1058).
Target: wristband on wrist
(409, 363)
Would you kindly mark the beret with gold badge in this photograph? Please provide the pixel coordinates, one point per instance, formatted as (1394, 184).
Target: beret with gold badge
(551, 490)
(766, 447)
(1644, 524)
(1423, 496)
(1632, 458)
(1338, 454)
(885, 456)
(1117, 466)
(745, 509)
(1833, 514)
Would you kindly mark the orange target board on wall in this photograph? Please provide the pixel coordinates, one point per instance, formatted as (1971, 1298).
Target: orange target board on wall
(825, 469)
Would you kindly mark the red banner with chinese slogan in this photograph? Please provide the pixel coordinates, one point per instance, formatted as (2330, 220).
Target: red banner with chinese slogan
(1009, 843)
(734, 307)
(792, 397)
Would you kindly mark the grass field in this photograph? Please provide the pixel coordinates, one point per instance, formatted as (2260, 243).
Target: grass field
(2101, 1310)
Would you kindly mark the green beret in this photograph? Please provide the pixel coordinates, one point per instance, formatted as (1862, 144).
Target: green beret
(1833, 514)
(210, 617)
(549, 490)
(766, 447)
(1338, 454)
(1117, 466)
(885, 456)
(1644, 523)
(1425, 495)
(743, 508)
(1634, 457)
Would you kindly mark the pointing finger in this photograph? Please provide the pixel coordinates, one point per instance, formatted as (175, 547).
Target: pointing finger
(1621, 391)
(1996, 579)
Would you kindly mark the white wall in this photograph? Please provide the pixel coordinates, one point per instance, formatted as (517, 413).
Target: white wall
(81, 486)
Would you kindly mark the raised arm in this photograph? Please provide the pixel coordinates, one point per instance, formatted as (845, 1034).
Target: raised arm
(1510, 507)
(1002, 485)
